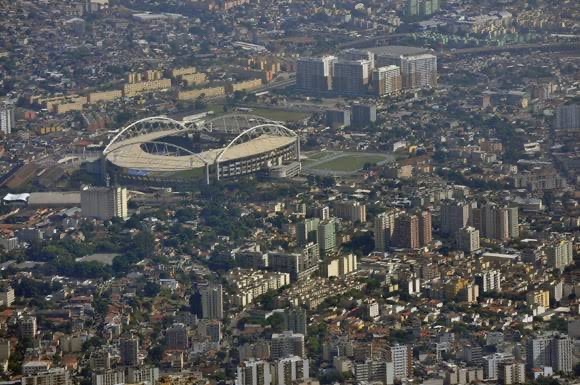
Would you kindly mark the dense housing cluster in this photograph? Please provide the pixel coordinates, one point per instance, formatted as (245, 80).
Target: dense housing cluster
(294, 192)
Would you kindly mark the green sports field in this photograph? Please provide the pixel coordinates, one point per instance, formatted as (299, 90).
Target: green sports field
(281, 115)
(349, 163)
(337, 162)
(268, 113)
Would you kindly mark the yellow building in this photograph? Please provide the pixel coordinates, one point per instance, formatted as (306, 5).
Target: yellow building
(193, 378)
(47, 102)
(51, 102)
(67, 107)
(132, 89)
(174, 73)
(209, 92)
(104, 96)
(454, 286)
(133, 77)
(244, 86)
(194, 79)
(330, 269)
(265, 64)
(538, 298)
(340, 266)
(151, 75)
(470, 293)
(60, 104)
(48, 130)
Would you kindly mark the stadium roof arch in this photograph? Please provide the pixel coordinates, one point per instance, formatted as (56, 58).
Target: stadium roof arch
(145, 126)
(255, 138)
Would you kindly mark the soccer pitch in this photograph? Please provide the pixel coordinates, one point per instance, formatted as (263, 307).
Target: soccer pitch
(340, 163)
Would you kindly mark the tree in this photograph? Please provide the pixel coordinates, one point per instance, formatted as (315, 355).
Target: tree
(328, 181)
(204, 47)
(29, 288)
(239, 95)
(362, 243)
(133, 223)
(276, 320)
(123, 117)
(185, 214)
(93, 342)
(123, 263)
(100, 305)
(559, 324)
(195, 304)
(314, 345)
(267, 300)
(546, 381)
(331, 377)
(368, 166)
(200, 104)
(372, 284)
(15, 360)
(144, 244)
(151, 289)
(155, 355)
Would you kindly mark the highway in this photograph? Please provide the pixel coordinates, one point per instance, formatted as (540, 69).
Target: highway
(386, 38)
(371, 41)
(568, 46)
(274, 85)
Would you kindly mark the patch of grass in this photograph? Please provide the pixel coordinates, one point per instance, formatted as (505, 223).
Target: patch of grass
(317, 155)
(401, 155)
(218, 109)
(349, 162)
(190, 174)
(274, 114)
(281, 115)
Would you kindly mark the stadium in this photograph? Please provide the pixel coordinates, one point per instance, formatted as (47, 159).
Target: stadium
(163, 151)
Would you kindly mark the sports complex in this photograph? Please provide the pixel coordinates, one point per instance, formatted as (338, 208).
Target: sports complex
(158, 149)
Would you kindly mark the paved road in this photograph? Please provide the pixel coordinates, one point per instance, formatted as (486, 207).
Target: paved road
(511, 48)
(370, 41)
(383, 39)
